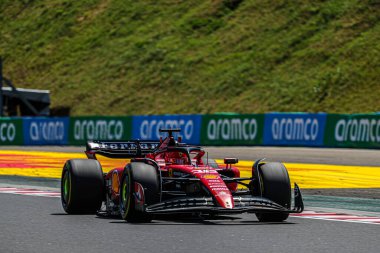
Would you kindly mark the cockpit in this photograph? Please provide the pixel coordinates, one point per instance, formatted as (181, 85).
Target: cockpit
(180, 156)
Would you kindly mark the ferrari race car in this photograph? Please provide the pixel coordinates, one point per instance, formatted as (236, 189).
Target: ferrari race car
(169, 177)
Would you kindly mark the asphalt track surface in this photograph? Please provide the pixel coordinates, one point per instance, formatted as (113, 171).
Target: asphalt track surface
(39, 224)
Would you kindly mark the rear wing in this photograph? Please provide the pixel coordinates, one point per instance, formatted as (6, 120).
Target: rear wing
(124, 149)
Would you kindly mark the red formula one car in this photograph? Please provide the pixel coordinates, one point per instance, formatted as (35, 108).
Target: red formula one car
(169, 177)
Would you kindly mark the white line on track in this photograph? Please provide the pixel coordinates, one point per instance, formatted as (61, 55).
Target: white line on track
(338, 217)
(30, 192)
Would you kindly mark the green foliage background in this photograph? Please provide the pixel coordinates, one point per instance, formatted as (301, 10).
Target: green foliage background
(122, 57)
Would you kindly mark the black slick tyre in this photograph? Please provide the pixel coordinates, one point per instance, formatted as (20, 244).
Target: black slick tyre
(147, 176)
(82, 186)
(276, 187)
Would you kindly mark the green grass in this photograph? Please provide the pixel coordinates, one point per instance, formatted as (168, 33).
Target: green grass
(117, 57)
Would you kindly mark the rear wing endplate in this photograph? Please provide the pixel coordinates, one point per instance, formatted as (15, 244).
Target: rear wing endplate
(124, 149)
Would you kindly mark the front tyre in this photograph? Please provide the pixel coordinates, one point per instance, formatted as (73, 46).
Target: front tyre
(145, 175)
(82, 186)
(276, 187)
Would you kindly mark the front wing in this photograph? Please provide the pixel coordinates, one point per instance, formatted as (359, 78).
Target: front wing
(250, 204)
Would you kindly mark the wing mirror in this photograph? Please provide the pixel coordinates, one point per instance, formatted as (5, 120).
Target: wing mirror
(230, 160)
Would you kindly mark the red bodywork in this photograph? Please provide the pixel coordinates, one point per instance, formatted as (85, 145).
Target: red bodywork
(175, 163)
(167, 176)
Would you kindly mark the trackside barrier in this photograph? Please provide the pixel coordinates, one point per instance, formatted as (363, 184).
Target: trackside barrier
(232, 129)
(45, 131)
(11, 131)
(353, 130)
(108, 128)
(147, 127)
(223, 129)
(294, 129)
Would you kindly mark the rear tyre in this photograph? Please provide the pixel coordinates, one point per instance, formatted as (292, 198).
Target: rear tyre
(276, 187)
(82, 186)
(147, 176)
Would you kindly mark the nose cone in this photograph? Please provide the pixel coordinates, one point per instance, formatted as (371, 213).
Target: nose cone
(225, 199)
(218, 188)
